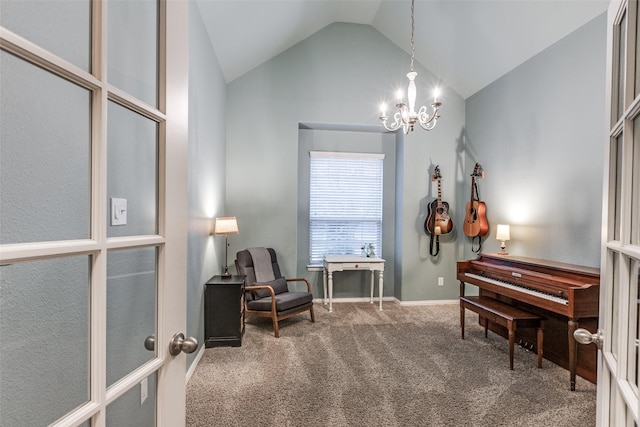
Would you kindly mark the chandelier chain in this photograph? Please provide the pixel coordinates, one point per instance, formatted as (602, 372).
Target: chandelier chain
(412, 26)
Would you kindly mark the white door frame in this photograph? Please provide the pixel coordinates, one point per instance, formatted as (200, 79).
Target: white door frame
(171, 241)
(617, 391)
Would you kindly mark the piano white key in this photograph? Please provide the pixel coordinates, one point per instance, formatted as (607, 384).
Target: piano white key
(522, 289)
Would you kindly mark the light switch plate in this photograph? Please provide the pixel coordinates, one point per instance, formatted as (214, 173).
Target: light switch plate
(118, 211)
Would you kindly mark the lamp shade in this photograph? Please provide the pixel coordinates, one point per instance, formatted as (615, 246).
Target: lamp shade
(503, 232)
(226, 225)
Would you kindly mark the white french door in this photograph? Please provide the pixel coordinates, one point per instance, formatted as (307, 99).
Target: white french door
(93, 143)
(618, 362)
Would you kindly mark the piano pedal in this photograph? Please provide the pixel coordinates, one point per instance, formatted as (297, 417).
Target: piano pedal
(527, 346)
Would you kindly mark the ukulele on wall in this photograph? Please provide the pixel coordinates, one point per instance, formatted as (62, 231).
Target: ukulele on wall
(475, 219)
(438, 218)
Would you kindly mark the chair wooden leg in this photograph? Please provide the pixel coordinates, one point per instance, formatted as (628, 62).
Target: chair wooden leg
(276, 330)
(313, 317)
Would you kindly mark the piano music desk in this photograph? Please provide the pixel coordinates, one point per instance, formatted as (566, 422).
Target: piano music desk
(491, 310)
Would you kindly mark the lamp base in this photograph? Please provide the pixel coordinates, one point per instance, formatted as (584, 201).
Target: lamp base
(503, 251)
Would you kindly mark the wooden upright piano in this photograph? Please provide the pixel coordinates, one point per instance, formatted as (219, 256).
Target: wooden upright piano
(566, 295)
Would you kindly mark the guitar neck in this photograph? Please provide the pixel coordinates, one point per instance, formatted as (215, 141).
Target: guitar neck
(473, 183)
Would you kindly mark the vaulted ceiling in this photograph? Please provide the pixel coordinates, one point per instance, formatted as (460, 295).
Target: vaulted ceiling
(466, 43)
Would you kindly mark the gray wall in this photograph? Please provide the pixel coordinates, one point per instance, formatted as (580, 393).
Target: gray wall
(540, 133)
(338, 76)
(206, 186)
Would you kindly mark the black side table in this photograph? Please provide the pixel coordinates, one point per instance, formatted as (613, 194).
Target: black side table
(224, 311)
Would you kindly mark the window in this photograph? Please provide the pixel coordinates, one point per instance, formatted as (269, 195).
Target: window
(345, 203)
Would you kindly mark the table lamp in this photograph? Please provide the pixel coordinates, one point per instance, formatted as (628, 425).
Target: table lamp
(226, 226)
(503, 235)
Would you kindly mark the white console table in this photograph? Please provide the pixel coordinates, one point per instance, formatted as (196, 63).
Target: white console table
(351, 262)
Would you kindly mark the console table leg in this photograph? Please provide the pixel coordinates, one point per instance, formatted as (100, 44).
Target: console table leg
(372, 282)
(380, 281)
(324, 285)
(330, 291)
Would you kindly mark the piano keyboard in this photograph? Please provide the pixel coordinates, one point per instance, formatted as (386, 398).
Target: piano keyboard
(523, 289)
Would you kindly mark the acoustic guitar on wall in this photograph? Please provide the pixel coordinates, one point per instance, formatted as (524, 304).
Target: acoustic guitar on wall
(475, 219)
(438, 218)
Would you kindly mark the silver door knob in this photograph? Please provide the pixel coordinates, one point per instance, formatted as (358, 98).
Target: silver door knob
(150, 343)
(585, 337)
(180, 343)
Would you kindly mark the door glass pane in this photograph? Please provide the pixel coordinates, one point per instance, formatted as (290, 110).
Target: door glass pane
(616, 191)
(63, 27)
(635, 185)
(637, 53)
(44, 325)
(622, 30)
(129, 410)
(133, 48)
(615, 312)
(131, 309)
(634, 324)
(132, 170)
(44, 155)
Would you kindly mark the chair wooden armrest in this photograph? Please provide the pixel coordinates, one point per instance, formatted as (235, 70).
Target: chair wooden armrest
(301, 279)
(256, 287)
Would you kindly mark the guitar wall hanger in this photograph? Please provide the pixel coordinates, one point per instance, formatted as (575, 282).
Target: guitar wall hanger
(475, 221)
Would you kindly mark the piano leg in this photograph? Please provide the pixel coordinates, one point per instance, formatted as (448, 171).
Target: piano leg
(462, 319)
(512, 341)
(540, 343)
(573, 353)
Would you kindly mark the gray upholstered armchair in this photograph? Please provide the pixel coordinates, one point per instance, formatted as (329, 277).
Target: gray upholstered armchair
(266, 292)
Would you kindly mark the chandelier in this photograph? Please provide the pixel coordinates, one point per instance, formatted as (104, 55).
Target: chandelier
(406, 116)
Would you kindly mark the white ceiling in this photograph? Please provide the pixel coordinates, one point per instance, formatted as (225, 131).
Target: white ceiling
(466, 43)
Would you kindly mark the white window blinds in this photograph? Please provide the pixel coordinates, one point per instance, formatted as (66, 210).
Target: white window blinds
(345, 203)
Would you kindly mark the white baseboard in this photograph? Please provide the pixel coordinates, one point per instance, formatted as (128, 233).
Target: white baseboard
(428, 302)
(195, 362)
(355, 299)
(388, 299)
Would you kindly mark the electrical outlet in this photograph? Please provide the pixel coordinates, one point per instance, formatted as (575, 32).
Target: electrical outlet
(440, 281)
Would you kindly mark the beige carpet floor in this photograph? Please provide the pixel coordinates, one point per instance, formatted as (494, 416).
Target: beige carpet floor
(403, 366)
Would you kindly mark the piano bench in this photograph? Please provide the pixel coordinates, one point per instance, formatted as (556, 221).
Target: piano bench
(491, 310)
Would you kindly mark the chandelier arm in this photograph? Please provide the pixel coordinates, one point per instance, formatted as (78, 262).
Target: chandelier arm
(397, 122)
(430, 125)
(423, 117)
